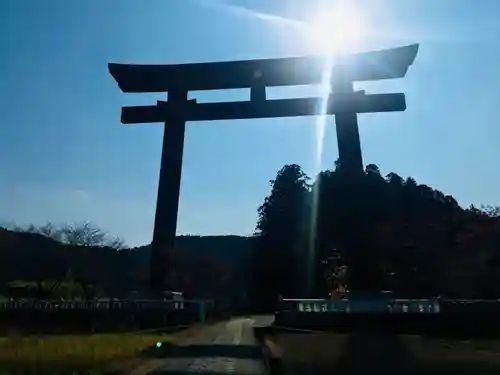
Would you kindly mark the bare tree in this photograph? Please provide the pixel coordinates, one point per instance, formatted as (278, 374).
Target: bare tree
(88, 235)
(85, 234)
(78, 234)
(116, 243)
(12, 226)
(50, 231)
(491, 211)
(46, 230)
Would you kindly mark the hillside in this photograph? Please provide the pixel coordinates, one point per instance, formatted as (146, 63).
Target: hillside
(33, 257)
(400, 235)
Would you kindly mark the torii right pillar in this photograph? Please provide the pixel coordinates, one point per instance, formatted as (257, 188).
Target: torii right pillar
(362, 261)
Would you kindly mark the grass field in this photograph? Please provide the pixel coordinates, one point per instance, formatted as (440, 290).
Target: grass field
(73, 354)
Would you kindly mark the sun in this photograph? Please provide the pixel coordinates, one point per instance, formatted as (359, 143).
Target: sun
(336, 30)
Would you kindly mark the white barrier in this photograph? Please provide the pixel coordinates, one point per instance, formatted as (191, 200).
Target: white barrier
(362, 305)
(99, 305)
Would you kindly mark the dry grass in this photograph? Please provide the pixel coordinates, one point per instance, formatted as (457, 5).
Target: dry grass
(360, 354)
(454, 351)
(73, 354)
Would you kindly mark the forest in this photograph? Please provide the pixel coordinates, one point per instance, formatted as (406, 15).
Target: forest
(415, 241)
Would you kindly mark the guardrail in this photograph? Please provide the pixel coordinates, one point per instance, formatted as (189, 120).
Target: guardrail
(99, 315)
(102, 305)
(432, 316)
(201, 308)
(395, 305)
(390, 305)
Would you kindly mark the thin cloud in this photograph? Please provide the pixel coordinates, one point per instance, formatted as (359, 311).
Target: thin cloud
(287, 22)
(250, 13)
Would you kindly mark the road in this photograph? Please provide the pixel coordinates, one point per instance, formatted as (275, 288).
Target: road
(224, 348)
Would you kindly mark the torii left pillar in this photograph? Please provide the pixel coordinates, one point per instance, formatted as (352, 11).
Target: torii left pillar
(169, 185)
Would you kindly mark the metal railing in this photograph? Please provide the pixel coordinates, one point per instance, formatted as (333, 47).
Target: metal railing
(394, 305)
(101, 305)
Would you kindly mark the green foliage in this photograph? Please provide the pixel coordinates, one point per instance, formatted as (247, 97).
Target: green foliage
(388, 233)
(50, 289)
(281, 233)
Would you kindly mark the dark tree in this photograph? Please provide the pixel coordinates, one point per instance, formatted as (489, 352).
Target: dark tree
(414, 240)
(282, 237)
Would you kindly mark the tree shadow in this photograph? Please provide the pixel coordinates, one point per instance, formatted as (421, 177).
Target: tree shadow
(169, 350)
(181, 372)
(184, 355)
(362, 353)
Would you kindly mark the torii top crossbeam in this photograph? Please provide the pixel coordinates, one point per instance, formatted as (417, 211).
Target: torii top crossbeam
(370, 66)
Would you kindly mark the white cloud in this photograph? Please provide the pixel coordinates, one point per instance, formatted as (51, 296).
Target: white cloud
(247, 12)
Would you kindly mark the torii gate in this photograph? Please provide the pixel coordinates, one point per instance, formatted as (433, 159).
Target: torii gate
(179, 80)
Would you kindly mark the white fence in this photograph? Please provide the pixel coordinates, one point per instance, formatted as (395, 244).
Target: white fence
(101, 305)
(362, 305)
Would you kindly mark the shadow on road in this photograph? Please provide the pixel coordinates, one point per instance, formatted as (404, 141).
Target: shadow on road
(162, 372)
(361, 353)
(187, 354)
(203, 351)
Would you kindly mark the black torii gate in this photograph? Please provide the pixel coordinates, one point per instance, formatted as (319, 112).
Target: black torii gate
(179, 80)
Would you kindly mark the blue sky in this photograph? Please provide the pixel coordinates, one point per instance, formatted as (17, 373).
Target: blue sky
(64, 156)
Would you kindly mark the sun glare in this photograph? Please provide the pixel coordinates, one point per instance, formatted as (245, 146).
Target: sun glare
(336, 30)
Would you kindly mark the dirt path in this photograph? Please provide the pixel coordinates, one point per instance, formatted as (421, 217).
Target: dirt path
(224, 348)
